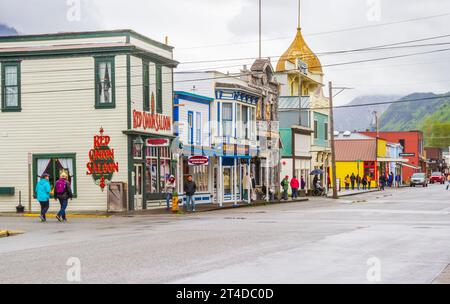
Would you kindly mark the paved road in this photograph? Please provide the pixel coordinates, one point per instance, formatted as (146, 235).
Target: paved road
(400, 236)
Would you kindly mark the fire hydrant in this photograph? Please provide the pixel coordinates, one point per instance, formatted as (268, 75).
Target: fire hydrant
(175, 201)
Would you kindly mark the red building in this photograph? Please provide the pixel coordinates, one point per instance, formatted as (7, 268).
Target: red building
(413, 149)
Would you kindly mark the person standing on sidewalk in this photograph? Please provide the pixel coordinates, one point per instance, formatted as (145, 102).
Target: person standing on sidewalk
(285, 186)
(302, 183)
(358, 182)
(448, 181)
(63, 192)
(169, 189)
(347, 182)
(353, 180)
(382, 182)
(295, 184)
(43, 189)
(364, 182)
(369, 182)
(247, 187)
(189, 189)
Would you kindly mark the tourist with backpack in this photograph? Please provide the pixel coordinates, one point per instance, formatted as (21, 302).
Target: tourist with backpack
(63, 192)
(43, 189)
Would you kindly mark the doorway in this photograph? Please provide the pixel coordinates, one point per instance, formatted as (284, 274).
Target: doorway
(138, 186)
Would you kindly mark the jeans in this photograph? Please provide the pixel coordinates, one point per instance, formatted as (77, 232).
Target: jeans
(190, 203)
(294, 193)
(62, 211)
(168, 199)
(285, 195)
(44, 208)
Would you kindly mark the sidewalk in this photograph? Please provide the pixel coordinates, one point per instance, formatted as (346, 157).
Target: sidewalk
(155, 211)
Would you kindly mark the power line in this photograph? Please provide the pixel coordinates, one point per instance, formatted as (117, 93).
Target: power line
(381, 103)
(321, 33)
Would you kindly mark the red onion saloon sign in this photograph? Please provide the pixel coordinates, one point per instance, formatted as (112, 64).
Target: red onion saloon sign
(102, 165)
(151, 121)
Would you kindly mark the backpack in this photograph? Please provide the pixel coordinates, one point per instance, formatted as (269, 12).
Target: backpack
(60, 186)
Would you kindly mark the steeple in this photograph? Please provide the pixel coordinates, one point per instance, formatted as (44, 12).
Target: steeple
(300, 50)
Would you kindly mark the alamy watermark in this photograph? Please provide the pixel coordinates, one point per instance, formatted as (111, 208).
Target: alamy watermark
(373, 10)
(74, 10)
(73, 274)
(374, 272)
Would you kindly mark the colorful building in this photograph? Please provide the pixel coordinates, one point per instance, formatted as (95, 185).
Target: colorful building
(300, 72)
(413, 150)
(95, 105)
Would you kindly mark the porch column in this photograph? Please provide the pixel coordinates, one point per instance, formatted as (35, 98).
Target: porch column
(235, 181)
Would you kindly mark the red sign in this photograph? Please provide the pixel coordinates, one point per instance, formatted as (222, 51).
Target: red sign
(157, 122)
(101, 163)
(198, 160)
(157, 142)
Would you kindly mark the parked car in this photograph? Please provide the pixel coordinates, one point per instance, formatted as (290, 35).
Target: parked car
(419, 179)
(437, 177)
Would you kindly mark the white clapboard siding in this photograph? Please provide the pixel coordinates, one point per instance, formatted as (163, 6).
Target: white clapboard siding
(61, 122)
(151, 48)
(195, 107)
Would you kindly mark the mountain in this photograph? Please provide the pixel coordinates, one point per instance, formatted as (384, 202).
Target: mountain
(408, 116)
(7, 31)
(361, 118)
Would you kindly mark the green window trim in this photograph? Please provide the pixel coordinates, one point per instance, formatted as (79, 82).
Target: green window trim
(6, 108)
(146, 85)
(54, 156)
(109, 61)
(159, 89)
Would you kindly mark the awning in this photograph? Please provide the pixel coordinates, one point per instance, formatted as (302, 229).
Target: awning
(392, 160)
(411, 166)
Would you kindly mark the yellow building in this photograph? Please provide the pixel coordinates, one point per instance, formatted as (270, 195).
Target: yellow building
(359, 155)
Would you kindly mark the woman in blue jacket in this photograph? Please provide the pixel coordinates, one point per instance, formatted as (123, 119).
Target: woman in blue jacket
(43, 195)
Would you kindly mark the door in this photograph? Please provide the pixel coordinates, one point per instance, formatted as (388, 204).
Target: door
(138, 186)
(227, 183)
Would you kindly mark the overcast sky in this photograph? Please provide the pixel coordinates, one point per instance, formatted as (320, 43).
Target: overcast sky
(214, 29)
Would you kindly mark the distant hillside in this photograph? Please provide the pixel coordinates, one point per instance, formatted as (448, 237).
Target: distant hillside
(361, 118)
(411, 115)
(7, 31)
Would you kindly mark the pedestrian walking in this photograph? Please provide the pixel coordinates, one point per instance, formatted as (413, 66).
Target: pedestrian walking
(448, 181)
(295, 184)
(189, 189)
(253, 193)
(398, 180)
(43, 189)
(285, 186)
(358, 182)
(364, 182)
(302, 183)
(353, 180)
(63, 192)
(369, 182)
(382, 182)
(391, 179)
(169, 189)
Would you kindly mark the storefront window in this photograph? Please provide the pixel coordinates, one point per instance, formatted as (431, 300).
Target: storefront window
(54, 166)
(227, 181)
(200, 175)
(164, 167)
(151, 170)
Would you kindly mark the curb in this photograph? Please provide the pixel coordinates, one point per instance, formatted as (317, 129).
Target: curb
(257, 204)
(360, 193)
(73, 216)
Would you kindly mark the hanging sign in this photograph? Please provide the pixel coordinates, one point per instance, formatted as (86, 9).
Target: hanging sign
(198, 160)
(102, 165)
(158, 142)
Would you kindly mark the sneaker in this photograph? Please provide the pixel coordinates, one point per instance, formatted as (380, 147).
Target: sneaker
(58, 217)
(43, 220)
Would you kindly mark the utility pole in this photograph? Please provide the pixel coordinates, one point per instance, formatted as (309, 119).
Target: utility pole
(333, 150)
(260, 29)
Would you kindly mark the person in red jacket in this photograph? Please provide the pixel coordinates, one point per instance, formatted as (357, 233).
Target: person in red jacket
(295, 184)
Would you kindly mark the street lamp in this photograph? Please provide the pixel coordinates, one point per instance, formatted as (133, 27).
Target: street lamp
(138, 146)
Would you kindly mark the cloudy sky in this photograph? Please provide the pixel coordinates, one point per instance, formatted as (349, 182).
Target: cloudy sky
(218, 30)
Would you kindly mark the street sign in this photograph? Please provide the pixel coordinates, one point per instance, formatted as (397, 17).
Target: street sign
(407, 154)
